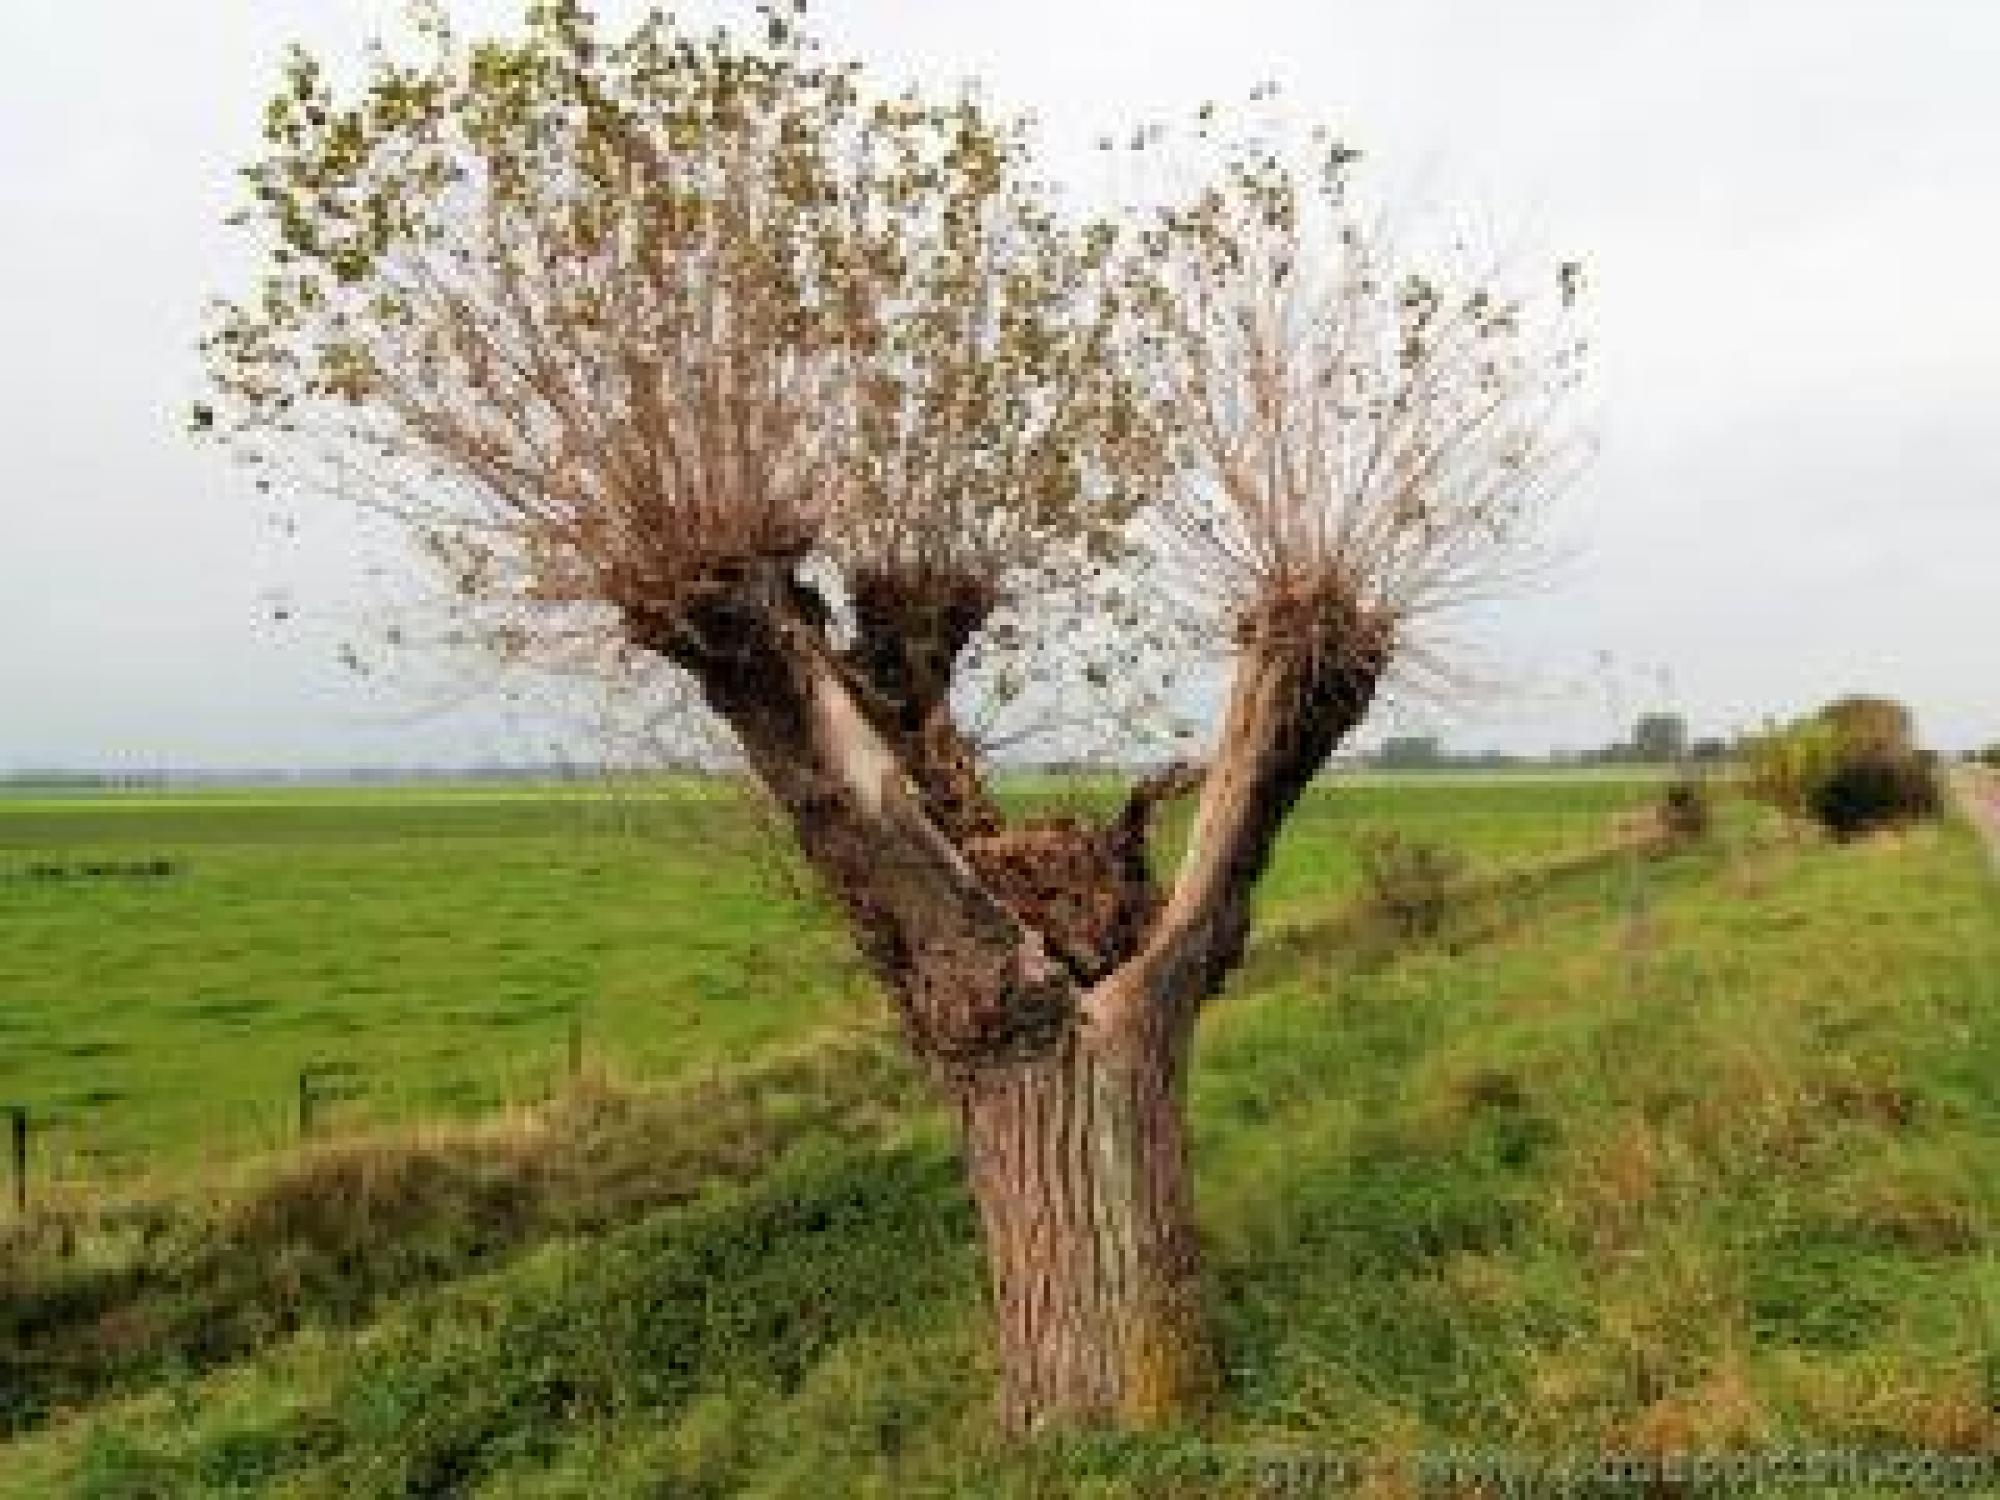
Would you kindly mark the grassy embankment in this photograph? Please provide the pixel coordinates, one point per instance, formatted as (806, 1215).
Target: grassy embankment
(1698, 1152)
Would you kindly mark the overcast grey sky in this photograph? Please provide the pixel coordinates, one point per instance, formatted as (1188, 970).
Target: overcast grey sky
(1790, 210)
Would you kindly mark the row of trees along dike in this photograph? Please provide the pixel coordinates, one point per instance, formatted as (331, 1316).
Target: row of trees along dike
(701, 361)
(1852, 767)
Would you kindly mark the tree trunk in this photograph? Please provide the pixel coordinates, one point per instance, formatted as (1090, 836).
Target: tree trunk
(1078, 1162)
(1011, 956)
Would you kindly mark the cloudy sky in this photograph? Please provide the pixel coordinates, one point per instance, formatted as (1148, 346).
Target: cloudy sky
(1790, 210)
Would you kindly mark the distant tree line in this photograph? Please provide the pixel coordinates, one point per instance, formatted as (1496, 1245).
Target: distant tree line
(1657, 739)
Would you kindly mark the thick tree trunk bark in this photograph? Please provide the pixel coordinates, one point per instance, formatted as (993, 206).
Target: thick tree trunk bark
(1078, 1162)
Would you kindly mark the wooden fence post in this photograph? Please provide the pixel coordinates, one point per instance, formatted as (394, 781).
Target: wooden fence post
(17, 1131)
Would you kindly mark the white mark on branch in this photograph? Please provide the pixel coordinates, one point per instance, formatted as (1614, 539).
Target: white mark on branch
(864, 763)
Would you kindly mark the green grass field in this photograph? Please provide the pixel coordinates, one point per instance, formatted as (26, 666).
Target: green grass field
(439, 941)
(1693, 1152)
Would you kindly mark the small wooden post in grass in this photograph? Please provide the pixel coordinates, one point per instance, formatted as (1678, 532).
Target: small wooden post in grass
(321, 1083)
(17, 1133)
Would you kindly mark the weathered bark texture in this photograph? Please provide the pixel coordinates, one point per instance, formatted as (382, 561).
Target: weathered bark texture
(1078, 1162)
(1046, 983)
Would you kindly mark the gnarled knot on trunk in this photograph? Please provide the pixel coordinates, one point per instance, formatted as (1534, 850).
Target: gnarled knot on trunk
(1319, 617)
(1336, 647)
(727, 609)
(909, 628)
(1076, 883)
(1086, 887)
(969, 1012)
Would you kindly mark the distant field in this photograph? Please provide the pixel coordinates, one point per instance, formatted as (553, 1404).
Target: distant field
(438, 940)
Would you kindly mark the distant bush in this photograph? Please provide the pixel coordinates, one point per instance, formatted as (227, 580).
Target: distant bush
(1875, 792)
(1410, 883)
(1852, 767)
(1686, 810)
(1990, 756)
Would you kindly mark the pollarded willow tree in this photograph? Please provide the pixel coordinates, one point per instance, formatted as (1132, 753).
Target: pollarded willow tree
(697, 344)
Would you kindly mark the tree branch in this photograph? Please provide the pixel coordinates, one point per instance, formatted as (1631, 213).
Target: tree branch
(1307, 671)
(975, 985)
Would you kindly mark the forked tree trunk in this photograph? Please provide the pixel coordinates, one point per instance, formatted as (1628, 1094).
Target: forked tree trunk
(1078, 1163)
(1068, 1078)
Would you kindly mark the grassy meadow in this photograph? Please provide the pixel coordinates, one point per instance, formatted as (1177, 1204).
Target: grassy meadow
(438, 942)
(1681, 1151)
